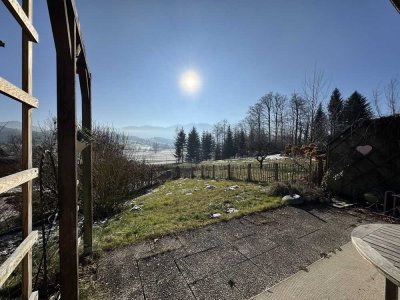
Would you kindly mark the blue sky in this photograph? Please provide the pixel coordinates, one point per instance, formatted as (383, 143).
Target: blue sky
(137, 51)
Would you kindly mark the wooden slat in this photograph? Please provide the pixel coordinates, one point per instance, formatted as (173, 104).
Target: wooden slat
(391, 230)
(14, 180)
(382, 264)
(389, 238)
(384, 241)
(34, 296)
(12, 91)
(385, 251)
(19, 14)
(388, 233)
(14, 259)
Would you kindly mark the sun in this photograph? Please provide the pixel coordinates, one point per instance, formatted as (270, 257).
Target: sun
(190, 81)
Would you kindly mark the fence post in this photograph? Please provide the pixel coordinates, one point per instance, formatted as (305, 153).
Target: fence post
(202, 172)
(249, 172)
(229, 171)
(213, 172)
(276, 173)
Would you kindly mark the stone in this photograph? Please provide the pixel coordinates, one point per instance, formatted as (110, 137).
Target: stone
(292, 199)
(210, 187)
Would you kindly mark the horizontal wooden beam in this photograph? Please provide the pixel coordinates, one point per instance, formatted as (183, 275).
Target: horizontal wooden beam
(14, 180)
(19, 14)
(34, 296)
(14, 259)
(12, 91)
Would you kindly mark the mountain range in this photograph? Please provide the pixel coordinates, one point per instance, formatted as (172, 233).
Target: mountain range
(139, 134)
(169, 132)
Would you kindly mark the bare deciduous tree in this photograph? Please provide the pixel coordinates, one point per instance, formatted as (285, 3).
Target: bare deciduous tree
(314, 89)
(392, 95)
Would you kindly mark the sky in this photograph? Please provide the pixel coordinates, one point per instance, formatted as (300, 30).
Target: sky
(239, 50)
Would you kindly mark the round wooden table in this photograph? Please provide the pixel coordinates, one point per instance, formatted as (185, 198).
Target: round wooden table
(380, 245)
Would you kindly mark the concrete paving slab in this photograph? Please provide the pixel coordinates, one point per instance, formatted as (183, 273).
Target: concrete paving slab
(110, 272)
(199, 265)
(169, 287)
(232, 230)
(253, 245)
(194, 241)
(165, 244)
(248, 278)
(215, 287)
(154, 269)
(277, 264)
(345, 275)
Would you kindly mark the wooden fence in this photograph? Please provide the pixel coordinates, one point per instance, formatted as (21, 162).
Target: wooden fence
(270, 172)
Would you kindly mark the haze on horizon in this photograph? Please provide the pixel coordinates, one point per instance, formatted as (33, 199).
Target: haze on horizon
(232, 52)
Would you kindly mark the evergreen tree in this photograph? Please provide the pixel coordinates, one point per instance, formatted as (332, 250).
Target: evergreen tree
(241, 145)
(193, 146)
(228, 150)
(356, 107)
(217, 152)
(320, 126)
(335, 112)
(180, 142)
(206, 146)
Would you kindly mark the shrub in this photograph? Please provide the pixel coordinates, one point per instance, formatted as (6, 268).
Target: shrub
(309, 193)
(278, 189)
(116, 175)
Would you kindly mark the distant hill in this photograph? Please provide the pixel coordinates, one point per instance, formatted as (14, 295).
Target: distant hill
(13, 128)
(16, 125)
(169, 132)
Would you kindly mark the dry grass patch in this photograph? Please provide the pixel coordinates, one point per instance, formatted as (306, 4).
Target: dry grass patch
(182, 204)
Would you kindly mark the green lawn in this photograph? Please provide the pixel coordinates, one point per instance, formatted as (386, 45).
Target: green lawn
(182, 204)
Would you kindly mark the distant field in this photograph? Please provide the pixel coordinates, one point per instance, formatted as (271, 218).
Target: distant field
(165, 156)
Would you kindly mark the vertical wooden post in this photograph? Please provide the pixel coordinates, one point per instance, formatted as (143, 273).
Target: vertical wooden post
(213, 172)
(229, 171)
(276, 172)
(249, 172)
(64, 31)
(27, 153)
(85, 84)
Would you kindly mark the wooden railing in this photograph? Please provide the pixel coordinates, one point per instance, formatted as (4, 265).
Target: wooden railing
(23, 16)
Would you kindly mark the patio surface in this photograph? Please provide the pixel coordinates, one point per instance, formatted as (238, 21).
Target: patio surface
(344, 276)
(237, 259)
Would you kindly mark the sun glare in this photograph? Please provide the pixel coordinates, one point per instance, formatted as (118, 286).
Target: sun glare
(190, 81)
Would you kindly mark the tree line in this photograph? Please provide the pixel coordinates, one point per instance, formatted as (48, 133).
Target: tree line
(276, 121)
